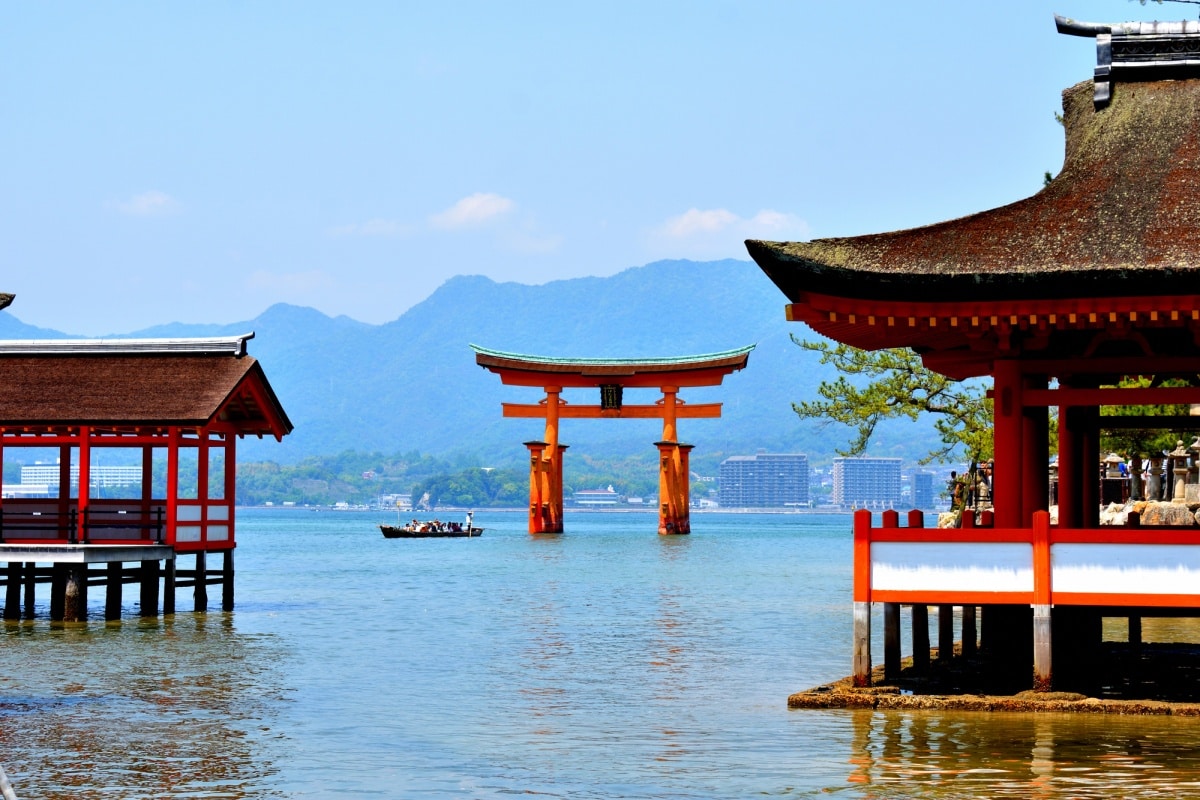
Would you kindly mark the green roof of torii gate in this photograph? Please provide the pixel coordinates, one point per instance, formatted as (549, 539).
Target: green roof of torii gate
(530, 370)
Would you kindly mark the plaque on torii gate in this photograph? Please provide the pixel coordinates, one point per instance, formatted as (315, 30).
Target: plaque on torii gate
(611, 376)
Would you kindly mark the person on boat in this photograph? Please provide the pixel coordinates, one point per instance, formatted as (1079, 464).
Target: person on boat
(467, 524)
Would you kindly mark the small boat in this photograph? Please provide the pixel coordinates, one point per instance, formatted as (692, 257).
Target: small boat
(431, 529)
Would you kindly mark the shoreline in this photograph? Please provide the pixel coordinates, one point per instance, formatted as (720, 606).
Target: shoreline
(1164, 684)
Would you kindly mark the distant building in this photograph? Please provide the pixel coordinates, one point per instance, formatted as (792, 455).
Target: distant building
(866, 482)
(593, 498)
(922, 485)
(765, 480)
(101, 476)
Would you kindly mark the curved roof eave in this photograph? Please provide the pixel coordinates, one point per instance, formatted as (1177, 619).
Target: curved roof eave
(1122, 218)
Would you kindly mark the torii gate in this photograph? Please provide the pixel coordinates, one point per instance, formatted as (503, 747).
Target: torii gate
(611, 376)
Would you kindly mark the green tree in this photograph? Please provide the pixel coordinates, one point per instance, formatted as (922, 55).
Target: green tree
(898, 385)
(1141, 441)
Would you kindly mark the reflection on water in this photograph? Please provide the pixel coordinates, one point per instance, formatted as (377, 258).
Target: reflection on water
(136, 708)
(898, 754)
(605, 662)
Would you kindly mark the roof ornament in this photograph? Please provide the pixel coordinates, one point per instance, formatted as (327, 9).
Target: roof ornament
(1138, 50)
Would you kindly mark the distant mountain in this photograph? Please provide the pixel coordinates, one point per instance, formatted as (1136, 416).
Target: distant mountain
(412, 384)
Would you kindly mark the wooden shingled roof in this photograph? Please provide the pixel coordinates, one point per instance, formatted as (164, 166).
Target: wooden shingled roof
(1121, 219)
(137, 383)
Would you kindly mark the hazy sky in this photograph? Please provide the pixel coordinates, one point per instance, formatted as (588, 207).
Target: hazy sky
(198, 162)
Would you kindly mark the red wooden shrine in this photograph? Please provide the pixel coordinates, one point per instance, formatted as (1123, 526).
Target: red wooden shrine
(1056, 298)
(178, 406)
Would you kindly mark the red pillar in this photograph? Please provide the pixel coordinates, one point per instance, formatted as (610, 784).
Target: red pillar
(202, 487)
(1008, 411)
(537, 518)
(85, 480)
(173, 444)
(231, 494)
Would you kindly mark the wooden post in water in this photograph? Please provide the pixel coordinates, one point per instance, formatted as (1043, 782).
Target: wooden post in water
(920, 638)
(1042, 664)
(12, 594)
(227, 582)
(30, 588)
(114, 584)
(168, 604)
(945, 632)
(969, 631)
(75, 593)
(891, 641)
(149, 593)
(200, 590)
(58, 589)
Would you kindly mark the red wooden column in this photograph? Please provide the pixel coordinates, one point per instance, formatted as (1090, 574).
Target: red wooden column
(673, 513)
(861, 666)
(1, 482)
(537, 517)
(85, 480)
(552, 499)
(1008, 411)
(685, 471)
(231, 502)
(200, 585)
(1042, 602)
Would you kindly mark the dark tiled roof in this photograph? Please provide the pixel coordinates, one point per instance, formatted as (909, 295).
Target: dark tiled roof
(1122, 218)
(142, 389)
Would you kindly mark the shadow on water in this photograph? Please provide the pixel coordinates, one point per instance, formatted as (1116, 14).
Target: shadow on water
(154, 707)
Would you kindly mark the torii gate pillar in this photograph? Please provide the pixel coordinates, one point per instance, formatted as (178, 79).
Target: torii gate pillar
(674, 501)
(545, 487)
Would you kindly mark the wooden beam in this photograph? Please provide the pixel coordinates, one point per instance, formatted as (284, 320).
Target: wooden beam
(1134, 396)
(538, 411)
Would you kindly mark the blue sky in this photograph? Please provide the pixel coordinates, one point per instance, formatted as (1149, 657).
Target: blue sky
(198, 162)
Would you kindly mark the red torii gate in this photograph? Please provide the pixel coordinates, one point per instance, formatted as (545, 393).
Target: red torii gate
(611, 376)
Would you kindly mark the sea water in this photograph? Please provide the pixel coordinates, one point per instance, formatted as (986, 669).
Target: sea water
(606, 662)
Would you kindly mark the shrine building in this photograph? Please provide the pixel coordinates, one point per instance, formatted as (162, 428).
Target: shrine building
(176, 408)
(1057, 299)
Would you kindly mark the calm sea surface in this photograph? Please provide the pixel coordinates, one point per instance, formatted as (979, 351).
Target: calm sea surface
(608, 662)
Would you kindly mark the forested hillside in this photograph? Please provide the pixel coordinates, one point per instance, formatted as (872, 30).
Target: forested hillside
(412, 386)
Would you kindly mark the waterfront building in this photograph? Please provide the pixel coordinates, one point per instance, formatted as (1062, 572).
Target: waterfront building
(153, 400)
(866, 482)
(1057, 299)
(923, 494)
(596, 498)
(764, 480)
(102, 476)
